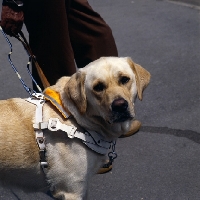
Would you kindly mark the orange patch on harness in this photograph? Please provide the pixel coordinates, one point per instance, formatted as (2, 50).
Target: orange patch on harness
(54, 98)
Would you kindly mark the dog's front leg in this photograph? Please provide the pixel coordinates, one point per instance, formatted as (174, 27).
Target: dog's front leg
(71, 166)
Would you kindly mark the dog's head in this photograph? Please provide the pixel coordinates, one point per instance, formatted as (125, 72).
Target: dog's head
(101, 96)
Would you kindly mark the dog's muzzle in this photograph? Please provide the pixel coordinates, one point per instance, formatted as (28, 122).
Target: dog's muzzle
(120, 111)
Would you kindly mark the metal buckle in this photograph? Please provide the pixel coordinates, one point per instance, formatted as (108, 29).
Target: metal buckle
(38, 96)
(72, 132)
(54, 124)
(40, 142)
(43, 161)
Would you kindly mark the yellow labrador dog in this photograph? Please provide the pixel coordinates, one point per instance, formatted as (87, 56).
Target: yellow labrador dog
(100, 99)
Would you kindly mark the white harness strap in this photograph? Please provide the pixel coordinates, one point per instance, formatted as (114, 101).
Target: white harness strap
(38, 100)
(91, 138)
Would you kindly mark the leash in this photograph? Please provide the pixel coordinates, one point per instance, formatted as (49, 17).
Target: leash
(26, 46)
(29, 90)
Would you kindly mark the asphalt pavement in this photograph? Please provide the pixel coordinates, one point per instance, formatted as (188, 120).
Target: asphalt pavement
(161, 161)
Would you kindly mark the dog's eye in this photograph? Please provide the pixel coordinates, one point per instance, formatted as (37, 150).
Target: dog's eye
(124, 80)
(99, 87)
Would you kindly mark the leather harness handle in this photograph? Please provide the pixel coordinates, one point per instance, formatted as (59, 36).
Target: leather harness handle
(23, 40)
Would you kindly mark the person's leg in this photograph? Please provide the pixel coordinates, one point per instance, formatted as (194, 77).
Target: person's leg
(47, 24)
(90, 36)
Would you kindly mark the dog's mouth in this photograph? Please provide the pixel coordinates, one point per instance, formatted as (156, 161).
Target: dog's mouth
(114, 118)
(118, 117)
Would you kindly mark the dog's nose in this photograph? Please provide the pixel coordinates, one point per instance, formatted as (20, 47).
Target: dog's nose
(119, 105)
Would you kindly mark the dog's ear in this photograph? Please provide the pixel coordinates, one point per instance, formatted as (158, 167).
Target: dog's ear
(75, 91)
(142, 77)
